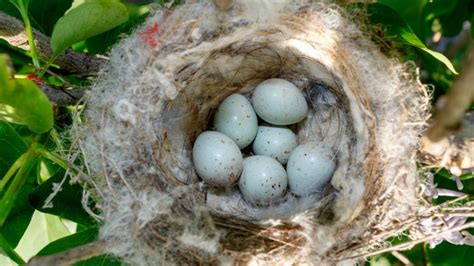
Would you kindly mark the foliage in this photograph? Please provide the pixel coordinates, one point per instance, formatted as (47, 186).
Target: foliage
(430, 32)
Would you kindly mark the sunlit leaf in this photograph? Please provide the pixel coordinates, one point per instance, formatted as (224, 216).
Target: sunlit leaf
(87, 20)
(42, 230)
(22, 102)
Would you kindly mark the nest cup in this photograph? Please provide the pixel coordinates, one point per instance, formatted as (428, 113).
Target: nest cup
(163, 84)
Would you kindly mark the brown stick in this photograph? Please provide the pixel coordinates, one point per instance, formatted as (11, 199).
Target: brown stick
(13, 31)
(71, 256)
(458, 100)
(60, 97)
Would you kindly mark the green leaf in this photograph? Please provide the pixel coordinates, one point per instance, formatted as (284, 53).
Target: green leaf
(396, 26)
(7, 249)
(22, 102)
(410, 11)
(12, 148)
(87, 20)
(66, 203)
(46, 13)
(447, 254)
(101, 43)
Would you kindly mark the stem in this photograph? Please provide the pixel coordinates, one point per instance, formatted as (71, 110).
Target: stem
(6, 203)
(10, 252)
(17, 164)
(48, 64)
(51, 156)
(29, 32)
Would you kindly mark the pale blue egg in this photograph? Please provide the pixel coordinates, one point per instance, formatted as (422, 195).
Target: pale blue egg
(217, 159)
(279, 102)
(236, 118)
(310, 167)
(274, 141)
(263, 180)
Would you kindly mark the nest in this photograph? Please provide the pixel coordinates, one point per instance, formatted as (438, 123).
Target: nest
(163, 84)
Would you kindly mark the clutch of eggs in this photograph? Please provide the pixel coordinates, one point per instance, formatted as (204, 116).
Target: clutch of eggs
(263, 180)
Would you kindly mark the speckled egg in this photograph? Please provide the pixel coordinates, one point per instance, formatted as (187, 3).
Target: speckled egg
(310, 167)
(274, 141)
(279, 102)
(263, 180)
(217, 159)
(236, 118)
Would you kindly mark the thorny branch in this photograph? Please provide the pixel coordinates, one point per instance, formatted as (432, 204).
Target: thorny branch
(13, 31)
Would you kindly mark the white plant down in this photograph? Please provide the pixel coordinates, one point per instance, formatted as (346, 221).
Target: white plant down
(158, 92)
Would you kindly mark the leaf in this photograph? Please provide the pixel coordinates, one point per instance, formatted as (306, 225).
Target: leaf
(12, 147)
(87, 20)
(66, 203)
(47, 12)
(396, 26)
(447, 254)
(22, 102)
(101, 43)
(410, 11)
(42, 230)
(19, 218)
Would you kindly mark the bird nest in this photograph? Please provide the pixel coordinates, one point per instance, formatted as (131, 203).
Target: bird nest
(163, 84)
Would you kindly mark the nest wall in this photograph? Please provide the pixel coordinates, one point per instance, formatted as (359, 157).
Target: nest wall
(163, 84)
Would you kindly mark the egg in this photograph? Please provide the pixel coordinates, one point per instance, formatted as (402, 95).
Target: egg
(263, 180)
(217, 159)
(279, 102)
(236, 118)
(310, 167)
(274, 141)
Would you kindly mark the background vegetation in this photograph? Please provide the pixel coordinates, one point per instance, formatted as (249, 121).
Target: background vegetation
(435, 34)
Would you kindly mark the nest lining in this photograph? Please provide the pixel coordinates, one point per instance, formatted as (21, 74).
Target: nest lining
(155, 97)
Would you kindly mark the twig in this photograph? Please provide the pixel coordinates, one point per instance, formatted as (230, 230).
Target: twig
(402, 258)
(410, 244)
(71, 256)
(60, 97)
(13, 31)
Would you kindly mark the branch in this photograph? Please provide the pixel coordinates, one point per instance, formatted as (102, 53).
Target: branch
(71, 256)
(61, 97)
(13, 31)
